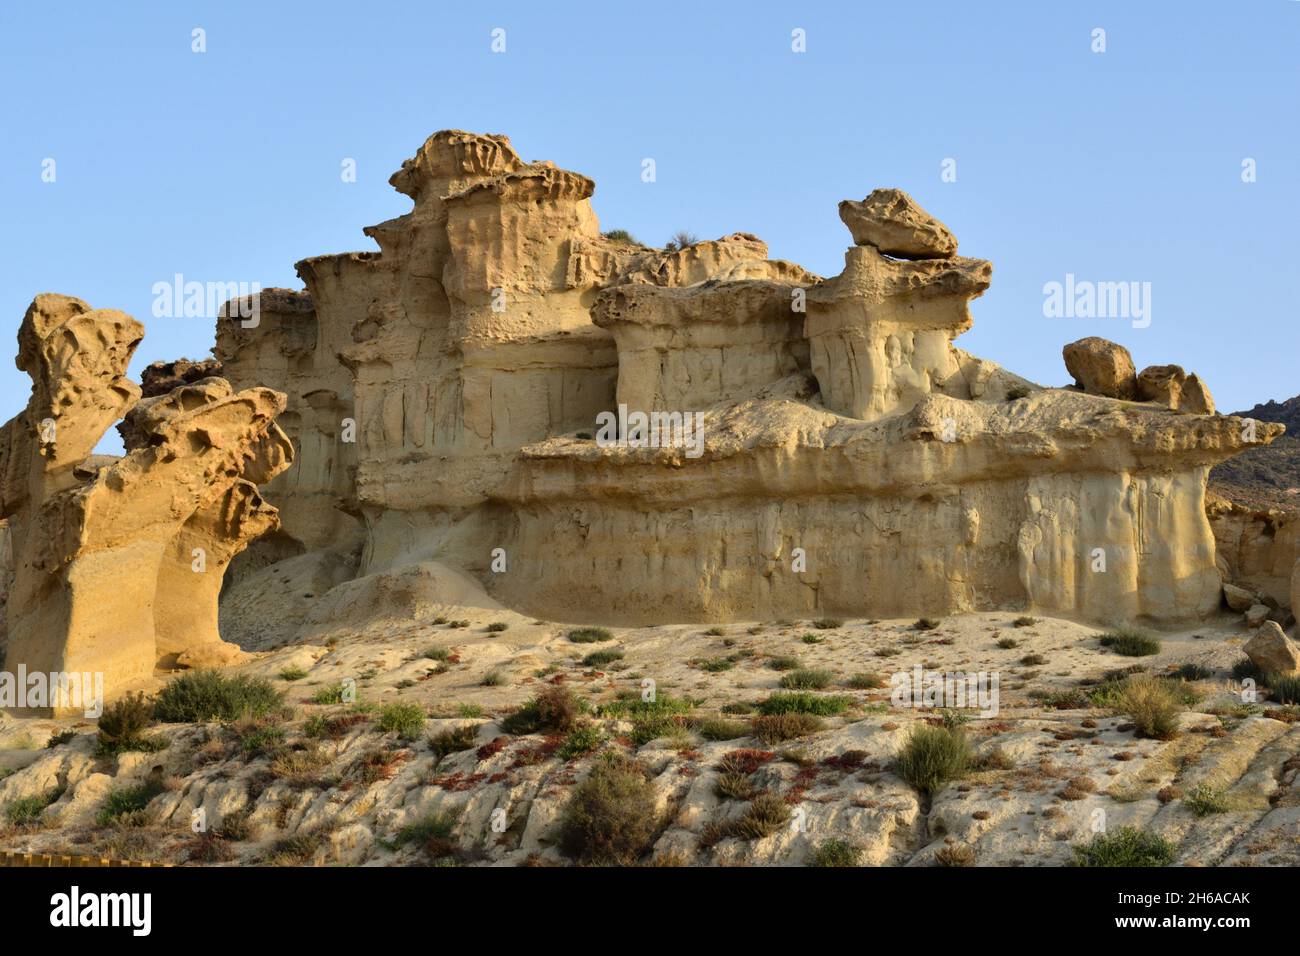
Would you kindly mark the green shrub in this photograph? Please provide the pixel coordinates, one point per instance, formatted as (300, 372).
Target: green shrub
(1285, 688)
(717, 728)
(60, 738)
(580, 740)
(926, 624)
(293, 673)
(1008, 643)
(827, 623)
(837, 853)
(766, 814)
(1152, 704)
(128, 801)
(602, 657)
(1033, 660)
(1191, 672)
(553, 710)
(716, 664)
(715, 631)
(436, 653)
(209, 695)
(1024, 622)
(1017, 392)
(1131, 643)
(802, 702)
(590, 635)
(865, 681)
(775, 728)
(454, 740)
(434, 833)
(1204, 800)
(26, 811)
(1126, 847)
(492, 679)
(933, 756)
(812, 639)
(122, 726)
(783, 663)
(621, 236)
(496, 627)
(806, 679)
(612, 816)
(404, 719)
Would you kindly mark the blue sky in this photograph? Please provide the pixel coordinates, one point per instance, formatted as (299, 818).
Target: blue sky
(1117, 166)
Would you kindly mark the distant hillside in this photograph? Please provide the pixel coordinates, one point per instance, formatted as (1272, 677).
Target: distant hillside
(1267, 477)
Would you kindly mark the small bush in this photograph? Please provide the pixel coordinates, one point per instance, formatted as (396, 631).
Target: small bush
(621, 236)
(404, 719)
(802, 702)
(125, 802)
(436, 653)
(293, 673)
(454, 740)
(774, 728)
(714, 665)
(590, 635)
(1191, 672)
(812, 639)
(612, 815)
(492, 679)
(1284, 688)
(1017, 392)
(496, 627)
(434, 833)
(1024, 622)
(1204, 800)
(827, 623)
(767, 814)
(806, 679)
(1131, 643)
(61, 738)
(933, 756)
(837, 853)
(680, 240)
(1152, 704)
(580, 740)
(926, 624)
(26, 811)
(1008, 643)
(1125, 847)
(865, 681)
(603, 657)
(1033, 660)
(732, 785)
(716, 728)
(783, 663)
(458, 624)
(955, 854)
(553, 710)
(715, 631)
(122, 724)
(209, 695)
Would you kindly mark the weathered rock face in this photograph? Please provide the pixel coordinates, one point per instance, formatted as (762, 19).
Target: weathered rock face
(1272, 651)
(853, 460)
(1101, 367)
(1257, 550)
(890, 220)
(118, 561)
(1172, 387)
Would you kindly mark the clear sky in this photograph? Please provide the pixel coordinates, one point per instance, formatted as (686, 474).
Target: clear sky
(1119, 166)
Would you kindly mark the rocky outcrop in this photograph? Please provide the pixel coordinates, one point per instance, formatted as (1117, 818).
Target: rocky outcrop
(1100, 367)
(118, 561)
(1271, 651)
(1172, 387)
(852, 459)
(890, 220)
(1256, 551)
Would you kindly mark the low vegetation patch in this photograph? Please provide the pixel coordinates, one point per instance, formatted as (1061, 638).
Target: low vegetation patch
(126, 804)
(590, 635)
(1204, 800)
(26, 811)
(602, 657)
(932, 757)
(404, 719)
(454, 740)
(1125, 847)
(554, 710)
(802, 702)
(775, 728)
(122, 727)
(806, 678)
(210, 695)
(1130, 643)
(837, 853)
(1152, 703)
(612, 816)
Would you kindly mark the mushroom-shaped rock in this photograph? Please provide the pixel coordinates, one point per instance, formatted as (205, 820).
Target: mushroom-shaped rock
(894, 223)
(1101, 367)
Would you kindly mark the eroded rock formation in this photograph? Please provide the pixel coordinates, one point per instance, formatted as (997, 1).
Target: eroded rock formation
(118, 561)
(854, 460)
